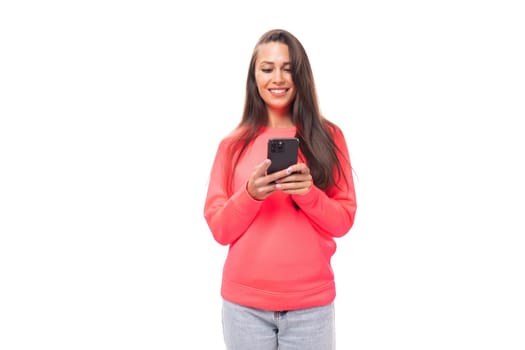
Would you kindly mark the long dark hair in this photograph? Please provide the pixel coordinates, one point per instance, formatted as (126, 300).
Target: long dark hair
(313, 130)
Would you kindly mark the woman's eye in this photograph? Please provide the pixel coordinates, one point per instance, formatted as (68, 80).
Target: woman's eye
(267, 70)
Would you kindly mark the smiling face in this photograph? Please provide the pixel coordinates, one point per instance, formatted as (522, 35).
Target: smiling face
(273, 75)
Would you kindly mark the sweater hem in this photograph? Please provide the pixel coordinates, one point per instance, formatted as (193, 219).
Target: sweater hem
(278, 301)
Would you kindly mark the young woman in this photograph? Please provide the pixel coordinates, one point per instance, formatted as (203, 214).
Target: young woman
(278, 285)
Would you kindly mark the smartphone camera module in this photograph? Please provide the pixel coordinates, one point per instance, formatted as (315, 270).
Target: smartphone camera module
(277, 147)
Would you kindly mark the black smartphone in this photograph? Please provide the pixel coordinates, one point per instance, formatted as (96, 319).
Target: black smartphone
(282, 152)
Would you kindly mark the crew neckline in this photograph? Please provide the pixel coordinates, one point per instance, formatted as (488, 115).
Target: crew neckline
(272, 128)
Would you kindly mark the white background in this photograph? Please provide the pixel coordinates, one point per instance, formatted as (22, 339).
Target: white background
(111, 112)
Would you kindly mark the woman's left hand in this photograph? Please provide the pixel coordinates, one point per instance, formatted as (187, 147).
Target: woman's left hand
(298, 182)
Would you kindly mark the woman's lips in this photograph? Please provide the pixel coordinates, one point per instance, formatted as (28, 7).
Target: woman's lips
(278, 92)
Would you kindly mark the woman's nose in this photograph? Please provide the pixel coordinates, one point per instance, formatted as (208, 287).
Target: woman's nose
(278, 76)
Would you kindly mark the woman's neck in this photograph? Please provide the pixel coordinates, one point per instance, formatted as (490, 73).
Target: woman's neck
(279, 120)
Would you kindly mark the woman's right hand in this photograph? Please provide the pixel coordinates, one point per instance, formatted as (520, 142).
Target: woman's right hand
(260, 185)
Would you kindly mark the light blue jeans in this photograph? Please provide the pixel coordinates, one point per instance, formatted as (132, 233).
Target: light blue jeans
(246, 328)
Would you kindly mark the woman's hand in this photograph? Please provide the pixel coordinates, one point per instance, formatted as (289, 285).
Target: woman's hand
(260, 185)
(297, 180)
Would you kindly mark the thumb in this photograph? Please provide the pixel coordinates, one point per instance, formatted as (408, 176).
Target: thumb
(262, 168)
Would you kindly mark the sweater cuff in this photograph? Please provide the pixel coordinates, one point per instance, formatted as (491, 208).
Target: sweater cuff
(308, 199)
(245, 203)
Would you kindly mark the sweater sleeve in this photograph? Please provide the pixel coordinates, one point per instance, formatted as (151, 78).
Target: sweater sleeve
(228, 217)
(333, 210)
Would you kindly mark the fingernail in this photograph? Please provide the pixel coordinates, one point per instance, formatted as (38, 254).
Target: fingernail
(289, 170)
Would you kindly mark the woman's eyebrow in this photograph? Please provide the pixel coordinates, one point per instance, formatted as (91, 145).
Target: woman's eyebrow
(271, 62)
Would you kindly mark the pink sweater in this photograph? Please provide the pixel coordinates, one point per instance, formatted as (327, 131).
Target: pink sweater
(278, 257)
